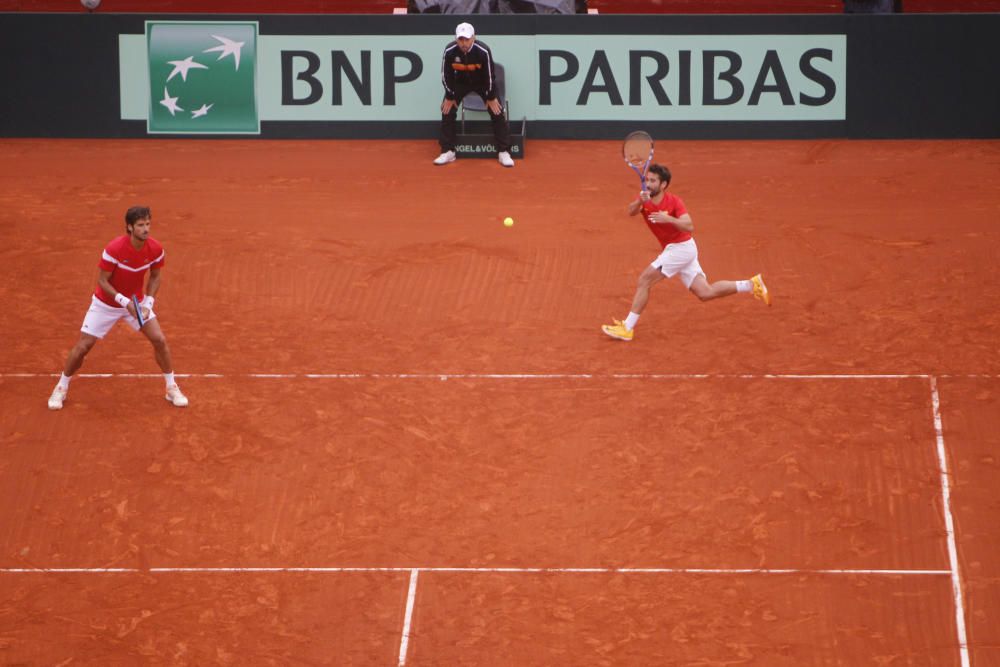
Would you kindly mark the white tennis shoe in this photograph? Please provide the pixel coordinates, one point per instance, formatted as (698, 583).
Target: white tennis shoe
(57, 398)
(505, 159)
(445, 158)
(175, 396)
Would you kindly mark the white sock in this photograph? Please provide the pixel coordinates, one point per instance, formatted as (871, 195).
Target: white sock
(631, 321)
(169, 377)
(64, 380)
(744, 286)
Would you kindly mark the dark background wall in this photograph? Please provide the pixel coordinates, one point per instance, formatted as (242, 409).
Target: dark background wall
(387, 6)
(908, 75)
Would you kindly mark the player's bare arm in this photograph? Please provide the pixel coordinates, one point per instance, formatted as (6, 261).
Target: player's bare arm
(635, 205)
(152, 287)
(683, 223)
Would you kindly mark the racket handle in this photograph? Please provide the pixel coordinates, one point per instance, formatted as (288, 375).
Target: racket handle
(138, 311)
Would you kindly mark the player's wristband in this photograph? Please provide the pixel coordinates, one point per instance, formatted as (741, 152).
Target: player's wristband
(147, 302)
(121, 300)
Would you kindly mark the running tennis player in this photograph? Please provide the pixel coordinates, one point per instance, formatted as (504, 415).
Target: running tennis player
(668, 219)
(123, 267)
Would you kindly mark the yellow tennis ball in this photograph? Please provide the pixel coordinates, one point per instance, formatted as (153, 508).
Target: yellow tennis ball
(508, 222)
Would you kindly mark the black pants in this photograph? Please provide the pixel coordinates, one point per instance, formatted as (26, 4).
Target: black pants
(501, 130)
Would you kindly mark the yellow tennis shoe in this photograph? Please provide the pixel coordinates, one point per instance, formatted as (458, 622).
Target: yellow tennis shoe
(760, 289)
(617, 330)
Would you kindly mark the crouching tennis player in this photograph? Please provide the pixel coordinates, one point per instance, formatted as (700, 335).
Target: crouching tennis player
(123, 267)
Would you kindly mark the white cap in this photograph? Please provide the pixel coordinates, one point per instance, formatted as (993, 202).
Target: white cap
(465, 30)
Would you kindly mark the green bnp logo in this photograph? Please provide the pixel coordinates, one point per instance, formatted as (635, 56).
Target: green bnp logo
(202, 77)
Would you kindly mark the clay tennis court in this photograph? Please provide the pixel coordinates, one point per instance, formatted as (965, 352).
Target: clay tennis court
(409, 443)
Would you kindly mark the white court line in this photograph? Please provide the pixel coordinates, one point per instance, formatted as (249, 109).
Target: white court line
(949, 523)
(497, 570)
(410, 597)
(524, 376)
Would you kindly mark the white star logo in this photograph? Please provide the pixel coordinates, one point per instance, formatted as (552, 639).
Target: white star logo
(203, 111)
(228, 47)
(182, 66)
(170, 102)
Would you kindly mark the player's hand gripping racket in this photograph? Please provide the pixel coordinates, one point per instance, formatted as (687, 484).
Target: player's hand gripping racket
(138, 311)
(638, 153)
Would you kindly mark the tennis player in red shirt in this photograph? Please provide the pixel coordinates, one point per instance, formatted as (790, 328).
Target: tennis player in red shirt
(668, 219)
(123, 267)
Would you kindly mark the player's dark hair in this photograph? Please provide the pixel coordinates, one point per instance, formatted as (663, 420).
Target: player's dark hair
(136, 213)
(662, 172)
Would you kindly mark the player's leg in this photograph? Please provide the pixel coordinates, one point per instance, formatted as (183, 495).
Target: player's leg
(161, 351)
(706, 291)
(97, 323)
(649, 277)
(622, 329)
(74, 360)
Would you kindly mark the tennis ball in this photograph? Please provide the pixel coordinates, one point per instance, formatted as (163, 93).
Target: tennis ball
(508, 222)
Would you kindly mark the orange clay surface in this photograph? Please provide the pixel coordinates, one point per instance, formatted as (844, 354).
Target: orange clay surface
(476, 440)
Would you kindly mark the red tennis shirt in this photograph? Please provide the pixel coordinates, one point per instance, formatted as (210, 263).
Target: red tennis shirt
(128, 266)
(665, 232)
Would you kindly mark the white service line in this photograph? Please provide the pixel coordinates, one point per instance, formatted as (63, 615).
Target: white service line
(949, 524)
(532, 376)
(468, 570)
(410, 598)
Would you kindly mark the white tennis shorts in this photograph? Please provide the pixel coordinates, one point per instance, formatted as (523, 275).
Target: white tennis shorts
(680, 258)
(101, 317)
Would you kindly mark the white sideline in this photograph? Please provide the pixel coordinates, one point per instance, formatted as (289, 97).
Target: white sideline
(949, 524)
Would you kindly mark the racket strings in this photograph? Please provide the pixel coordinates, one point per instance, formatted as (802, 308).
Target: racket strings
(637, 149)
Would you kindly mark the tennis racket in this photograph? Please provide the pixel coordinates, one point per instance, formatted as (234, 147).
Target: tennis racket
(638, 153)
(138, 310)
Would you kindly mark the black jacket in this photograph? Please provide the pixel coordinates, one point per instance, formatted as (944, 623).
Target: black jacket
(468, 71)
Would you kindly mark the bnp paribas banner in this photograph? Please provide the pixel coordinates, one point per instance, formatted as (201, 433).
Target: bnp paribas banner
(195, 77)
